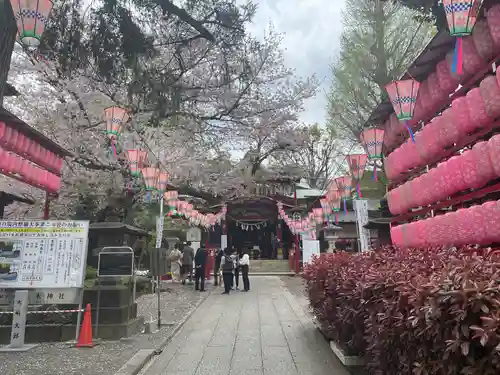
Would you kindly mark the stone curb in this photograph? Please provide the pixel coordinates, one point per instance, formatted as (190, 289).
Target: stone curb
(144, 356)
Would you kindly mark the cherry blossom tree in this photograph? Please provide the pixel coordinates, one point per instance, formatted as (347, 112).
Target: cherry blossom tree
(196, 90)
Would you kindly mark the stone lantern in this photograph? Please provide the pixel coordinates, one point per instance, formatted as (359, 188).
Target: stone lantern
(331, 235)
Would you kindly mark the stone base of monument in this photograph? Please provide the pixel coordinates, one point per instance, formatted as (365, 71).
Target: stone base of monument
(117, 318)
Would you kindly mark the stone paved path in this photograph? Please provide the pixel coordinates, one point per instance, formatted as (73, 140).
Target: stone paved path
(262, 332)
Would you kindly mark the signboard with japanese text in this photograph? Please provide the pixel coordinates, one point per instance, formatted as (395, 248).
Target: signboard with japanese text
(43, 254)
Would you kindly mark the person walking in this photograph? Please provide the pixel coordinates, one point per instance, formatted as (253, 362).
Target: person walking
(187, 263)
(227, 266)
(200, 262)
(175, 263)
(245, 266)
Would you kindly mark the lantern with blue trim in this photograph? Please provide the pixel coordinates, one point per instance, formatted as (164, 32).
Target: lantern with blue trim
(403, 95)
(150, 176)
(116, 118)
(372, 140)
(31, 18)
(461, 16)
(344, 184)
(357, 165)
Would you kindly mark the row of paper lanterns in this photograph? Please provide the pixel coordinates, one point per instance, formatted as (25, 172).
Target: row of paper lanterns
(473, 169)
(191, 214)
(474, 111)
(478, 50)
(475, 225)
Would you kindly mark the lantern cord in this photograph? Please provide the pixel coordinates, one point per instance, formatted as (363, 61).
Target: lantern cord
(375, 177)
(336, 220)
(457, 66)
(412, 136)
(148, 196)
(345, 206)
(358, 190)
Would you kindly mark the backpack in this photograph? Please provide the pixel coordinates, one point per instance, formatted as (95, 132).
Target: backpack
(228, 264)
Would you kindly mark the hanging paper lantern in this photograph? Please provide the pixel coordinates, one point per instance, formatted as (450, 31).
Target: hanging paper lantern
(169, 196)
(372, 140)
(136, 158)
(490, 92)
(461, 16)
(116, 118)
(150, 176)
(31, 17)
(344, 184)
(162, 182)
(357, 164)
(403, 96)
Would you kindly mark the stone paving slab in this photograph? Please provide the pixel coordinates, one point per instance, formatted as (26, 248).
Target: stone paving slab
(262, 332)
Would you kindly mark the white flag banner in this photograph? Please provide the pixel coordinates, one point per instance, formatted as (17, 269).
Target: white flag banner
(361, 209)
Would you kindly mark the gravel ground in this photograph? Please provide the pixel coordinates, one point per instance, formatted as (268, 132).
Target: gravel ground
(109, 356)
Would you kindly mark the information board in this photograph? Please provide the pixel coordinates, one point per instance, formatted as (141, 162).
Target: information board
(43, 254)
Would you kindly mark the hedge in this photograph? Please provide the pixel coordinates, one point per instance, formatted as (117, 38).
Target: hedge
(433, 311)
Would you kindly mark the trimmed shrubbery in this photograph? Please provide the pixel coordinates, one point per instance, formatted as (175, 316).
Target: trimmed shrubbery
(417, 312)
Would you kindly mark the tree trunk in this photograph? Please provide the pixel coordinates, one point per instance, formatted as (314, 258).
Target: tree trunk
(7, 38)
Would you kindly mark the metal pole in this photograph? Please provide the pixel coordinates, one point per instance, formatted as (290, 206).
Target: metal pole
(158, 243)
(79, 316)
(297, 242)
(98, 307)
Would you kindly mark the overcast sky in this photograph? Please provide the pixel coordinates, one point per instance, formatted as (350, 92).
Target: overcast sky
(312, 32)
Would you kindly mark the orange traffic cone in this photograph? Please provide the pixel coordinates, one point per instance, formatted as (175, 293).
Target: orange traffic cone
(85, 337)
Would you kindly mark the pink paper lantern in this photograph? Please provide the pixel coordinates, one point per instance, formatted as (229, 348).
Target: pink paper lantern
(483, 41)
(12, 140)
(403, 95)
(413, 155)
(478, 225)
(465, 233)
(425, 100)
(469, 171)
(484, 166)
(477, 108)
(490, 92)
(397, 236)
(472, 60)
(372, 140)
(59, 164)
(451, 132)
(3, 159)
(494, 153)
(390, 172)
(491, 222)
(15, 163)
(357, 164)
(31, 17)
(344, 185)
(447, 81)
(436, 93)
(493, 18)
(416, 186)
(393, 201)
(427, 139)
(461, 116)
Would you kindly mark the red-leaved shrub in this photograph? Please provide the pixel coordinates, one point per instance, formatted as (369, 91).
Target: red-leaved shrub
(433, 311)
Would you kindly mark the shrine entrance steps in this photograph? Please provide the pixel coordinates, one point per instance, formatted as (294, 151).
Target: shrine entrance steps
(269, 267)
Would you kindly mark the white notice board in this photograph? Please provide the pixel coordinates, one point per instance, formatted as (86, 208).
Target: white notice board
(43, 254)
